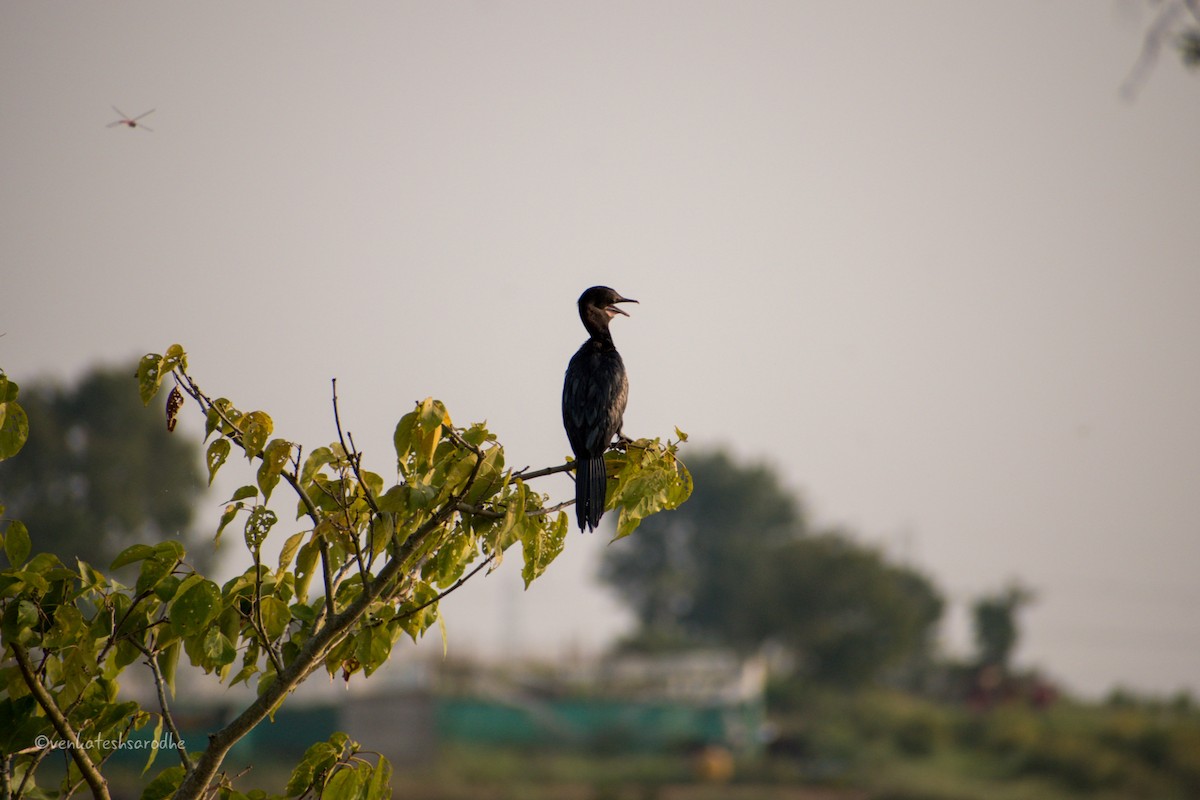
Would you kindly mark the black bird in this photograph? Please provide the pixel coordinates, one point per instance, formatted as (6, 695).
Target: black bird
(593, 404)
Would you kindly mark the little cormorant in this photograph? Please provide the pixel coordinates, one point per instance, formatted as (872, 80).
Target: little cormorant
(593, 404)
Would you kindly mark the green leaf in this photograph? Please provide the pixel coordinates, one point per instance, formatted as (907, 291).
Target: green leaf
(196, 604)
(316, 459)
(244, 493)
(258, 525)
(318, 758)
(275, 456)
(648, 479)
(174, 359)
(14, 426)
(218, 650)
(306, 561)
(490, 479)
(371, 648)
(275, 617)
(154, 570)
(158, 729)
(165, 589)
(412, 621)
(382, 530)
(149, 374)
(541, 543)
(256, 428)
(380, 785)
(394, 500)
(502, 535)
(218, 453)
(19, 618)
(288, 551)
(346, 784)
(169, 549)
(164, 785)
(212, 421)
(168, 659)
(451, 559)
(16, 543)
(129, 555)
(402, 438)
(227, 516)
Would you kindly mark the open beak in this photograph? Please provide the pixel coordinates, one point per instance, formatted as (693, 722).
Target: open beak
(613, 310)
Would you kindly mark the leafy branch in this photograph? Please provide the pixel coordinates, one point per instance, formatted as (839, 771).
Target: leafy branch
(369, 565)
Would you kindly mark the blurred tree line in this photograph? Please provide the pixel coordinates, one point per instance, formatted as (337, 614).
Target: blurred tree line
(101, 473)
(740, 565)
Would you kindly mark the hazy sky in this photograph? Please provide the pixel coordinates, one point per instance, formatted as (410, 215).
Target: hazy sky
(920, 256)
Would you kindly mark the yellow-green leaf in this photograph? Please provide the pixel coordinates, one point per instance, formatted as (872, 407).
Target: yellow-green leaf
(149, 375)
(217, 454)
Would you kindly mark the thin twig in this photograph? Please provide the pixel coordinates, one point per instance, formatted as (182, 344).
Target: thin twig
(457, 584)
(160, 686)
(256, 619)
(480, 511)
(526, 475)
(351, 452)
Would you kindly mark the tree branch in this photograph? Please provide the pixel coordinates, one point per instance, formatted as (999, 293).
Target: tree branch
(205, 402)
(160, 686)
(526, 475)
(311, 653)
(87, 768)
(480, 511)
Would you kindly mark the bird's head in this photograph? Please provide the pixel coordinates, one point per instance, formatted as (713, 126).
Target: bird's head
(601, 299)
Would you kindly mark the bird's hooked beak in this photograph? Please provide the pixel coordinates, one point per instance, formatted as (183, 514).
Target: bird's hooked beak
(613, 310)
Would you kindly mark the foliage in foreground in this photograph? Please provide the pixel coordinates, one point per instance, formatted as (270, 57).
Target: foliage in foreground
(365, 566)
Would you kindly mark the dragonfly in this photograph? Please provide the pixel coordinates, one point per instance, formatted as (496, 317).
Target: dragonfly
(130, 122)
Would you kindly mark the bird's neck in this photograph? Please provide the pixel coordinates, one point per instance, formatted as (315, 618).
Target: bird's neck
(601, 337)
(596, 323)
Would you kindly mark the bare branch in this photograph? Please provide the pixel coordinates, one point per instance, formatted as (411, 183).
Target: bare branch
(480, 511)
(538, 473)
(160, 686)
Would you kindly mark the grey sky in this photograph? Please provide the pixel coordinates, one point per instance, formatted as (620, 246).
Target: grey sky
(920, 256)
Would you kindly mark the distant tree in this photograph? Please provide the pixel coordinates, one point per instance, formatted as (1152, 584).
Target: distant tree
(101, 474)
(995, 625)
(739, 565)
(845, 611)
(688, 571)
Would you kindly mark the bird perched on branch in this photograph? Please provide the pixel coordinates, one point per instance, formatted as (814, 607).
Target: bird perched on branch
(593, 404)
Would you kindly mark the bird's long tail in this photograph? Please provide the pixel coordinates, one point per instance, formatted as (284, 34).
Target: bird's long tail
(591, 484)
